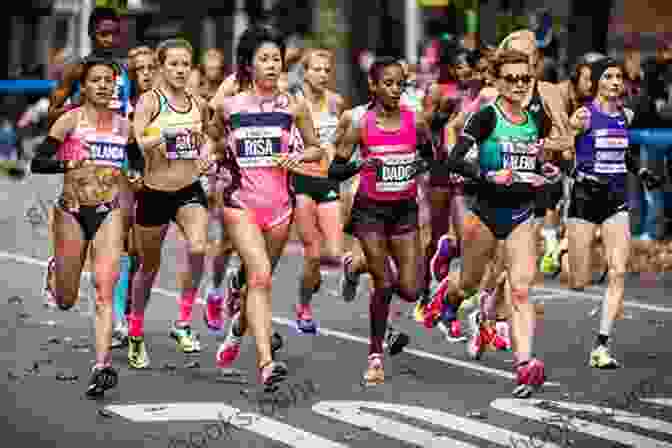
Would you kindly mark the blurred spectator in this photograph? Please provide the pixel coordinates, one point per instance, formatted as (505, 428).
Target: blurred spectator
(632, 62)
(653, 110)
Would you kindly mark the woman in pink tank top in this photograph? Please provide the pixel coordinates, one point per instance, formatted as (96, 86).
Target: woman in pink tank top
(90, 144)
(260, 126)
(385, 209)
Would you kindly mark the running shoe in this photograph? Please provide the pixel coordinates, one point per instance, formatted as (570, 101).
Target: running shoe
(601, 358)
(502, 335)
(467, 307)
(273, 373)
(349, 280)
(120, 335)
(451, 331)
(102, 379)
(229, 349)
(419, 312)
(396, 341)
(446, 250)
(186, 341)
(232, 299)
(276, 343)
(374, 373)
(304, 319)
(531, 376)
(47, 292)
(550, 262)
(137, 353)
(213, 313)
(480, 335)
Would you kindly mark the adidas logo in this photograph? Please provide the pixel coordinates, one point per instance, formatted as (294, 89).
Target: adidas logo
(102, 208)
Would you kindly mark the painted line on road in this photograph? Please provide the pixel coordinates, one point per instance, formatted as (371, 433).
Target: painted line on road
(556, 293)
(326, 331)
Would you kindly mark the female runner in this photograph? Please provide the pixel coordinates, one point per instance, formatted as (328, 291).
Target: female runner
(385, 210)
(598, 200)
(168, 126)
(93, 143)
(318, 207)
(508, 159)
(260, 125)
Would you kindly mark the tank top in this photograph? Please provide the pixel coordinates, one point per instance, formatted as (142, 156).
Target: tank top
(509, 146)
(186, 123)
(394, 179)
(601, 150)
(260, 130)
(108, 144)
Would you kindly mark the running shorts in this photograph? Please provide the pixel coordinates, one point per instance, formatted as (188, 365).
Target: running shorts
(501, 221)
(595, 203)
(318, 189)
(158, 208)
(385, 218)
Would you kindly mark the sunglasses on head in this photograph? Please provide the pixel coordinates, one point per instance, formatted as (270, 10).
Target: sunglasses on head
(511, 79)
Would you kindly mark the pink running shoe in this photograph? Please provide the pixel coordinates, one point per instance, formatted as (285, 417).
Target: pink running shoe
(531, 376)
(273, 373)
(304, 319)
(502, 339)
(229, 349)
(213, 313)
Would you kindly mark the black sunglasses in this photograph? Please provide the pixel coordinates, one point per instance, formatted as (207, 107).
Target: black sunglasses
(526, 79)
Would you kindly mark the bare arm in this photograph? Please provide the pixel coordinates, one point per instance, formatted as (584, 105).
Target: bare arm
(146, 108)
(71, 74)
(304, 121)
(351, 137)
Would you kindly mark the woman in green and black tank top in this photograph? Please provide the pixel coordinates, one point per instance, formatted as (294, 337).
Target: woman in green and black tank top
(318, 207)
(509, 173)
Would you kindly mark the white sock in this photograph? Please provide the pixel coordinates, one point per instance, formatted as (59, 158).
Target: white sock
(606, 323)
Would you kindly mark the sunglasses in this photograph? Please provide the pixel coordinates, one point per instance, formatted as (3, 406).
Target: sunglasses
(525, 79)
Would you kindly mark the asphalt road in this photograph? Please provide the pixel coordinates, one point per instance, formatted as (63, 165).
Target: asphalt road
(433, 396)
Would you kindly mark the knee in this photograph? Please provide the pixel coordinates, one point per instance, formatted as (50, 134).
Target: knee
(520, 295)
(260, 279)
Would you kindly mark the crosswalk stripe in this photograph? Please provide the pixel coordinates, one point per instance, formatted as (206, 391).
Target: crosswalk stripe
(527, 409)
(351, 412)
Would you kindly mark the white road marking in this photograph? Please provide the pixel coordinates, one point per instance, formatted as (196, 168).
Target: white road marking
(351, 412)
(556, 293)
(327, 332)
(258, 424)
(527, 409)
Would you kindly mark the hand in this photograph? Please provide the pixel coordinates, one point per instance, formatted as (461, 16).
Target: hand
(204, 164)
(536, 148)
(500, 177)
(650, 180)
(550, 171)
(580, 120)
(75, 164)
(373, 163)
(290, 162)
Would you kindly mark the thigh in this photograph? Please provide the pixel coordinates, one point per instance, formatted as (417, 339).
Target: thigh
(70, 251)
(520, 254)
(192, 219)
(248, 240)
(406, 252)
(109, 242)
(580, 237)
(478, 247)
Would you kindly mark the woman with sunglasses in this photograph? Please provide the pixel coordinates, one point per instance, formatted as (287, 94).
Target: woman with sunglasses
(260, 125)
(168, 125)
(91, 143)
(603, 158)
(508, 170)
(385, 209)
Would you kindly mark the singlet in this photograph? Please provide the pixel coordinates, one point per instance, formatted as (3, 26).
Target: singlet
(185, 146)
(258, 132)
(394, 179)
(108, 145)
(601, 150)
(508, 145)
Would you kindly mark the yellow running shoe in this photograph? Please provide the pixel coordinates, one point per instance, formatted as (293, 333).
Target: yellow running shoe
(601, 358)
(137, 353)
(419, 312)
(185, 339)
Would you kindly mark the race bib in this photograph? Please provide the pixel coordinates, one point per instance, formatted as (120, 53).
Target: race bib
(184, 146)
(256, 146)
(396, 173)
(326, 129)
(520, 158)
(107, 153)
(610, 153)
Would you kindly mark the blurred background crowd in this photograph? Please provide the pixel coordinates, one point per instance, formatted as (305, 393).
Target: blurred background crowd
(43, 35)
